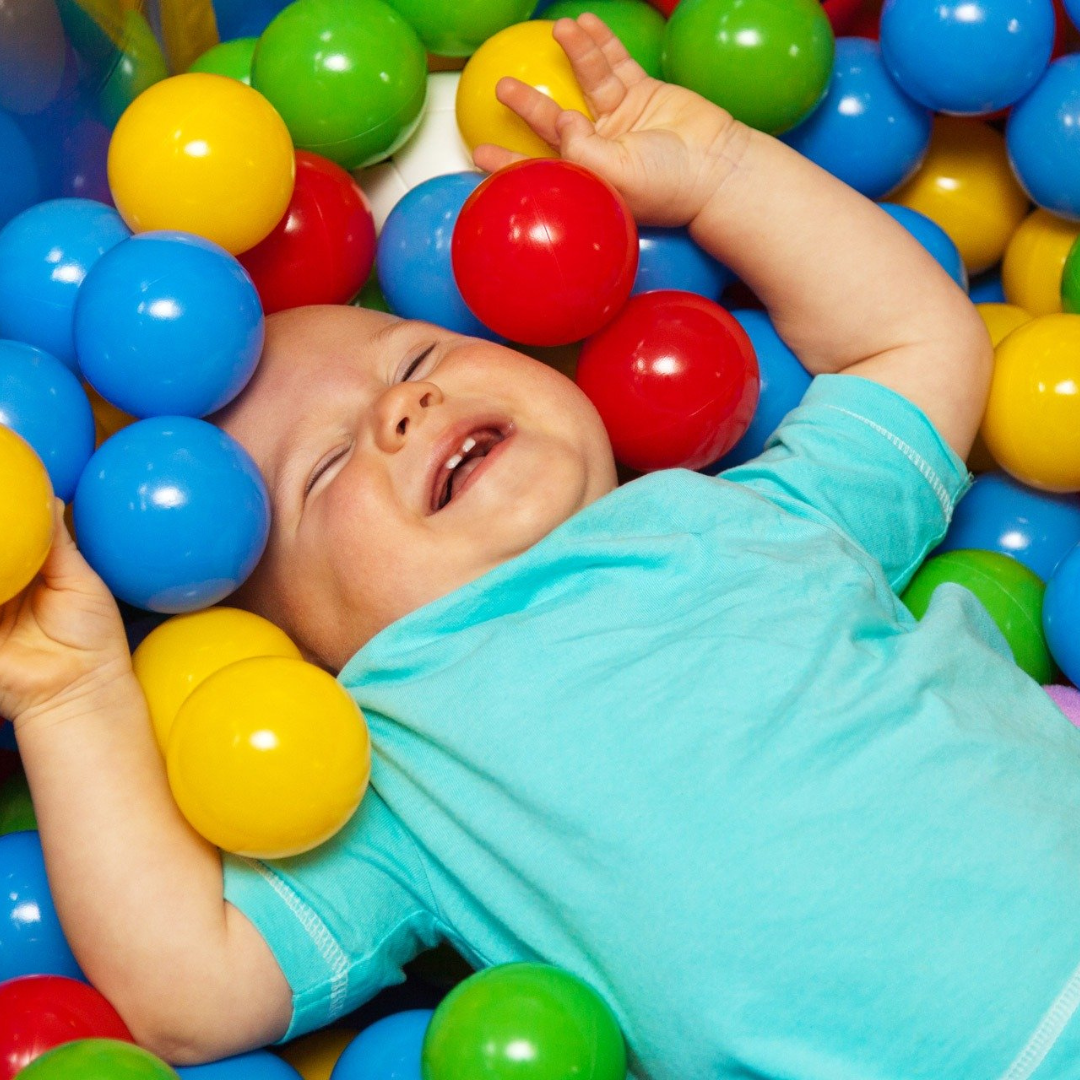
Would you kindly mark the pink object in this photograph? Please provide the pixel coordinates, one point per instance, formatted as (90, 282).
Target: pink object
(1067, 699)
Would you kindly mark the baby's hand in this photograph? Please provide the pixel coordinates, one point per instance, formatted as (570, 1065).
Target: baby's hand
(664, 147)
(62, 639)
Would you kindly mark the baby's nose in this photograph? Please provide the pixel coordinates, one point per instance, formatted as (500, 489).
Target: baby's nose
(400, 409)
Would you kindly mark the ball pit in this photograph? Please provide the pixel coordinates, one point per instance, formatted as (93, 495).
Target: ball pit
(390, 1047)
(639, 27)
(230, 58)
(669, 259)
(254, 1065)
(98, 1059)
(26, 502)
(1034, 261)
(456, 28)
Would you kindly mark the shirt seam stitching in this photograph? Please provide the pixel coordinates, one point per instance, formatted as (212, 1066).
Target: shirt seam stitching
(1047, 1032)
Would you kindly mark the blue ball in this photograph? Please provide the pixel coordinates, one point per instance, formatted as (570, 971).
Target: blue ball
(31, 940)
(413, 256)
(245, 18)
(1072, 8)
(168, 324)
(256, 1065)
(1043, 139)
(987, 288)
(932, 237)
(1061, 615)
(172, 513)
(43, 401)
(866, 131)
(388, 1050)
(1000, 514)
(20, 181)
(967, 57)
(670, 259)
(784, 381)
(45, 252)
(7, 738)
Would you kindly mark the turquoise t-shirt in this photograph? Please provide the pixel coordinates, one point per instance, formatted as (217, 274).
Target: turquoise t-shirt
(692, 747)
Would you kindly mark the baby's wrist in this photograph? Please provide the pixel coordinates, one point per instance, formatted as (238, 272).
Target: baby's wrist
(110, 689)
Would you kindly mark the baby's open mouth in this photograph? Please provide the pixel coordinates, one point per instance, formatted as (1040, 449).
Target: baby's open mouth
(464, 459)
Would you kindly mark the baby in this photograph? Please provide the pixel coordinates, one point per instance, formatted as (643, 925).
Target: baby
(679, 737)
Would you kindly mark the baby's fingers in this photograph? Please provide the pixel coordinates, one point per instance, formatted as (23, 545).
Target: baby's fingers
(604, 69)
(537, 110)
(492, 158)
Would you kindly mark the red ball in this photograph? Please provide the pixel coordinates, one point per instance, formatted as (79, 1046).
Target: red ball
(544, 252)
(674, 378)
(40, 1012)
(322, 250)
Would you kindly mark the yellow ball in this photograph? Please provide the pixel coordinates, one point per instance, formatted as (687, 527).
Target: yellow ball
(967, 186)
(528, 52)
(1001, 320)
(268, 757)
(179, 654)
(314, 1056)
(26, 509)
(1034, 261)
(204, 154)
(1032, 421)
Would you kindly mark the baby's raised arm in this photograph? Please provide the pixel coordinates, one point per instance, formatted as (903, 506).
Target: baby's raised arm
(138, 892)
(846, 286)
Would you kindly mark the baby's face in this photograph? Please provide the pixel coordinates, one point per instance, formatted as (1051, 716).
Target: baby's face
(403, 461)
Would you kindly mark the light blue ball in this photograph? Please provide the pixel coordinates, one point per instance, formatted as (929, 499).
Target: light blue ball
(388, 1050)
(172, 513)
(1000, 514)
(1043, 139)
(1072, 9)
(1061, 615)
(670, 259)
(967, 57)
(45, 252)
(987, 288)
(866, 131)
(43, 401)
(413, 256)
(32, 941)
(256, 1065)
(168, 324)
(932, 237)
(20, 180)
(784, 381)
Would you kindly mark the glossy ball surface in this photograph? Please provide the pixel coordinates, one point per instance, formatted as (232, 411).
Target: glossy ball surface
(1070, 281)
(388, 1048)
(1034, 261)
(669, 259)
(229, 58)
(637, 25)
(460, 27)
(254, 1065)
(1061, 615)
(26, 508)
(932, 237)
(544, 252)
(674, 378)
(98, 1059)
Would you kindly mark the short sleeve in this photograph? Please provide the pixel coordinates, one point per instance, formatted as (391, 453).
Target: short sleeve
(869, 461)
(341, 920)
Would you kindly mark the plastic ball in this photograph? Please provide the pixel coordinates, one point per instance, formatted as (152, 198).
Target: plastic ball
(413, 263)
(767, 62)
(254, 1065)
(43, 401)
(986, 288)
(202, 154)
(545, 252)
(932, 237)
(40, 1012)
(32, 49)
(84, 157)
(26, 508)
(349, 80)
(967, 57)
(314, 1056)
(783, 382)
(1070, 281)
(966, 185)
(526, 1021)
(387, 1050)
(245, 18)
(268, 757)
(638, 26)
(435, 148)
(322, 250)
(866, 132)
(1032, 420)
(177, 656)
(1001, 320)
(670, 259)
(1034, 260)
(31, 939)
(45, 252)
(1011, 594)
(16, 806)
(1043, 137)
(674, 379)
(138, 64)
(98, 1059)
(528, 52)
(168, 324)
(20, 182)
(1061, 615)
(229, 58)
(172, 513)
(457, 28)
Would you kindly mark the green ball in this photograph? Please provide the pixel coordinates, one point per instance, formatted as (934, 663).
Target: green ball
(98, 1059)
(139, 64)
(231, 59)
(1010, 592)
(523, 1022)
(460, 27)
(349, 77)
(1070, 281)
(767, 62)
(16, 808)
(635, 23)
(371, 295)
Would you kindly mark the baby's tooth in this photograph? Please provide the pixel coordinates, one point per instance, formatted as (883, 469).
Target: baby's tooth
(468, 444)
(454, 462)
